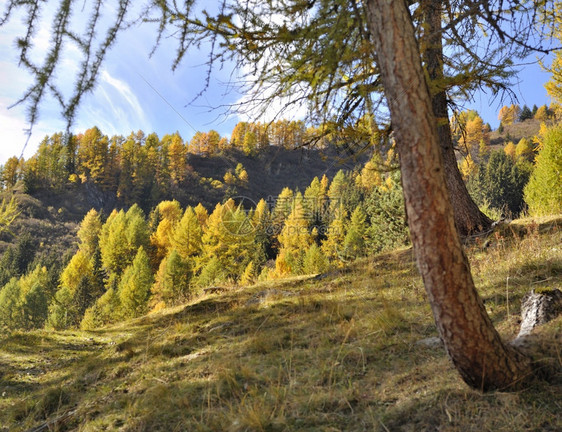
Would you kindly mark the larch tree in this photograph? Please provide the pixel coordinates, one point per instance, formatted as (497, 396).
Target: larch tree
(8, 213)
(89, 233)
(170, 213)
(134, 288)
(483, 360)
(185, 238)
(172, 280)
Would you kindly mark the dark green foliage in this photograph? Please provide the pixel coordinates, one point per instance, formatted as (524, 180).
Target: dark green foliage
(61, 313)
(500, 128)
(17, 258)
(526, 113)
(500, 183)
(354, 244)
(384, 208)
(35, 303)
(11, 313)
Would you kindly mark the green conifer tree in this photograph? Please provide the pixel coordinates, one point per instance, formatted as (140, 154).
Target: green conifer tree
(315, 261)
(11, 312)
(134, 287)
(543, 192)
(354, 243)
(172, 284)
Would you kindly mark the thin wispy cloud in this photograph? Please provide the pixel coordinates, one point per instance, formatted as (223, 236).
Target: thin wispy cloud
(125, 93)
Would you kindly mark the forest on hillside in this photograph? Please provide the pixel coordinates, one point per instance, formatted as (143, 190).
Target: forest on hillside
(380, 79)
(133, 260)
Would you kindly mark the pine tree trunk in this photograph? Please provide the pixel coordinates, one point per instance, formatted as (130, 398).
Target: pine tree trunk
(470, 338)
(468, 217)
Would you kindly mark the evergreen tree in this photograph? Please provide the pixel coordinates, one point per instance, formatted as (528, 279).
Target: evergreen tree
(134, 287)
(17, 258)
(534, 110)
(11, 312)
(384, 208)
(315, 203)
(172, 284)
(263, 234)
(79, 288)
(526, 114)
(500, 183)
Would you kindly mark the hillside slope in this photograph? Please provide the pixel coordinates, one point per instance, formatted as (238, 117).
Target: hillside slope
(50, 217)
(330, 353)
(514, 132)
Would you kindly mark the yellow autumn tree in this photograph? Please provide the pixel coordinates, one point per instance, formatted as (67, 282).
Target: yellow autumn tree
(509, 114)
(509, 150)
(170, 213)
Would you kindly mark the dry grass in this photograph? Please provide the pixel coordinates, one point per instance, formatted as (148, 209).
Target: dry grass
(300, 354)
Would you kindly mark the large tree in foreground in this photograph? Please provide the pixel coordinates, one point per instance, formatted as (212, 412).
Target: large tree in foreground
(470, 338)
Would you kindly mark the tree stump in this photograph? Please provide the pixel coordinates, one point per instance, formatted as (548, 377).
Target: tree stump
(539, 308)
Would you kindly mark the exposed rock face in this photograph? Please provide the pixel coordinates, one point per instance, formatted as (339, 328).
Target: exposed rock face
(539, 308)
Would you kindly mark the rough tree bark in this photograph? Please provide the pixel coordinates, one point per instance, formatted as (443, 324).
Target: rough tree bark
(474, 346)
(468, 217)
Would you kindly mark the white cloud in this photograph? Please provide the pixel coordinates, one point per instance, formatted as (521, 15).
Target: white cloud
(125, 92)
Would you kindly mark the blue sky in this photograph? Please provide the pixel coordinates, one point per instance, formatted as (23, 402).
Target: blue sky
(137, 92)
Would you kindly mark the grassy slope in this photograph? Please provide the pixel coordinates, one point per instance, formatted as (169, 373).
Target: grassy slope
(514, 132)
(304, 354)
